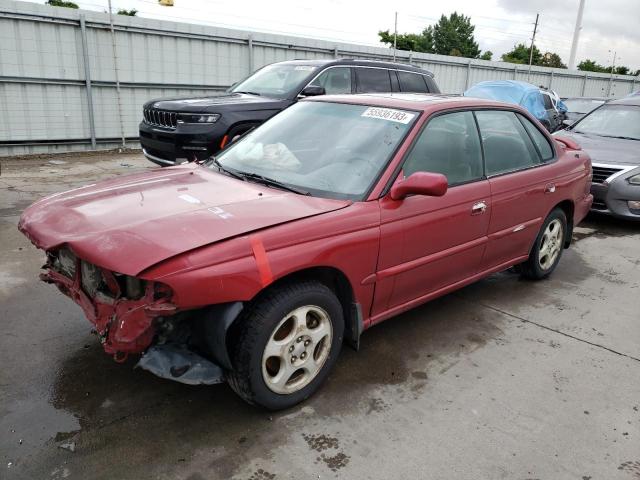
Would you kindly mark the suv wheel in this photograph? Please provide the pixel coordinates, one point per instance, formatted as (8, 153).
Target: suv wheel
(547, 249)
(286, 343)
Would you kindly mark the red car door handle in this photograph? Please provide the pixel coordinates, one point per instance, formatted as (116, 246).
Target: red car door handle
(478, 208)
(550, 188)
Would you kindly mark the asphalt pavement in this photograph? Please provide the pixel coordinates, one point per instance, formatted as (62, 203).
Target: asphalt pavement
(504, 379)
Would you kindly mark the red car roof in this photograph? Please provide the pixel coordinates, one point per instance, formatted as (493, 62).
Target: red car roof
(411, 101)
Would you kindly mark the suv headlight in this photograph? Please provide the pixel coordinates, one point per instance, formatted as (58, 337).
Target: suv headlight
(197, 118)
(635, 180)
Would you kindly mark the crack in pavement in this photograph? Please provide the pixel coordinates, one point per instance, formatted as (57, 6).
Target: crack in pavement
(524, 320)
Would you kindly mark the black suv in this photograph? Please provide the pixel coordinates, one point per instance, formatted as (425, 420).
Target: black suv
(184, 129)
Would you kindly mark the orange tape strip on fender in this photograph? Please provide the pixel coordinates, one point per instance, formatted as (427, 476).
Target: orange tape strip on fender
(262, 262)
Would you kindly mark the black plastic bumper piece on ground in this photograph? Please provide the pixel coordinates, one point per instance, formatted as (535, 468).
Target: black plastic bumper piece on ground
(177, 363)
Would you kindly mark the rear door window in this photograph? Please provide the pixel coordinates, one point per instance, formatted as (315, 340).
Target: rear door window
(372, 80)
(507, 145)
(412, 82)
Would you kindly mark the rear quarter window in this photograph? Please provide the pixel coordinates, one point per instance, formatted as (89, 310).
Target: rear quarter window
(540, 141)
(412, 82)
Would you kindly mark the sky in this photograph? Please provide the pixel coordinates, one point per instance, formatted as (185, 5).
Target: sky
(608, 25)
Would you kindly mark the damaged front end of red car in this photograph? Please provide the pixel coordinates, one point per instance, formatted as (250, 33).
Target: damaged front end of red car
(122, 308)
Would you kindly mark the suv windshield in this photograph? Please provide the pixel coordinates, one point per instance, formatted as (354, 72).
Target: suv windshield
(620, 121)
(275, 80)
(327, 149)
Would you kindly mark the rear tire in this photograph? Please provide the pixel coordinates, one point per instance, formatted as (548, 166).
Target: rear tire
(285, 344)
(547, 249)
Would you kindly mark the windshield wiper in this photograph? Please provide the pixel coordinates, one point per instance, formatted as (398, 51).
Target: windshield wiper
(228, 171)
(272, 182)
(250, 93)
(620, 137)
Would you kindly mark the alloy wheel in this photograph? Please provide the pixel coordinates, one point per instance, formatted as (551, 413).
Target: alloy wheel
(297, 349)
(550, 244)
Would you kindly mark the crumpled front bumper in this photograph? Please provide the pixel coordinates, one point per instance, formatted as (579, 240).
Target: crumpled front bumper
(124, 325)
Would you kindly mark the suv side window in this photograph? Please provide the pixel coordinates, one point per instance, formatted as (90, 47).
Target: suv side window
(548, 104)
(507, 145)
(412, 82)
(334, 80)
(450, 145)
(545, 149)
(372, 80)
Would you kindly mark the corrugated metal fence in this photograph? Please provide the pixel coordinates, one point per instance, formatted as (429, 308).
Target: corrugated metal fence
(67, 83)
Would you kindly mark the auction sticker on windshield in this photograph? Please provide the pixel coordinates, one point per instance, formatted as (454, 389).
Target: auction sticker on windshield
(388, 114)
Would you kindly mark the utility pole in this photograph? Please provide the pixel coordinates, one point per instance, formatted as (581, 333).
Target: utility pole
(395, 37)
(613, 68)
(576, 36)
(116, 75)
(533, 39)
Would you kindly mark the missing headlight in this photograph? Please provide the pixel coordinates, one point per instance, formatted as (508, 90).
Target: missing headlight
(92, 280)
(64, 262)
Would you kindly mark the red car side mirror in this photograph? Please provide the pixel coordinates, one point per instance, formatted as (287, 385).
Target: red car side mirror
(420, 183)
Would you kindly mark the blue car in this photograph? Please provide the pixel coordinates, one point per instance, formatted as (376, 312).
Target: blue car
(520, 93)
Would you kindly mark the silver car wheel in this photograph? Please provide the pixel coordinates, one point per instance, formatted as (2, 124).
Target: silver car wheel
(550, 244)
(297, 349)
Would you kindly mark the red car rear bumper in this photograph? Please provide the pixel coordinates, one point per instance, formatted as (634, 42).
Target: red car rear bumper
(582, 209)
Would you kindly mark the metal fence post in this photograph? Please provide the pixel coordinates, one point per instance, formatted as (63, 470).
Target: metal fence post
(335, 52)
(633, 85)
(550, 80)
(87, 80)
(250, 47)
(584, 84)
(466, 82)
(410, 58)
(515, 72)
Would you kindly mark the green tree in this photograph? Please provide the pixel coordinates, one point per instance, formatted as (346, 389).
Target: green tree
(455, 35)
(61, 3)
(129, 13)
(487, 55)
(550, 59)
(415, 42)
(591, 66)
(520, 54)
(452, 35)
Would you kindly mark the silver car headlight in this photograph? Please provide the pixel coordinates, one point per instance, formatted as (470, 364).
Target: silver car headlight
(199, 118)
(635, 180)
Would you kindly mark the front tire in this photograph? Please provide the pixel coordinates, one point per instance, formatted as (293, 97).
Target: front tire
(285, 344)
(547, 249)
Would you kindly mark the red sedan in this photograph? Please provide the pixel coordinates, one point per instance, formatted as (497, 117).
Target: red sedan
(337, 214)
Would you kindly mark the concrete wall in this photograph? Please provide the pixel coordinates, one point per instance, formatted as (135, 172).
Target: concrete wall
(59, 70)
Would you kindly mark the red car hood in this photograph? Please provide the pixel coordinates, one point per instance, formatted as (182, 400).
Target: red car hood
(130, 223)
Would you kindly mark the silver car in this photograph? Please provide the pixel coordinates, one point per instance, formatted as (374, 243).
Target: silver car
(610, 134)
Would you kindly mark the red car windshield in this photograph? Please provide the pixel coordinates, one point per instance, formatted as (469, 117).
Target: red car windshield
(328, 149)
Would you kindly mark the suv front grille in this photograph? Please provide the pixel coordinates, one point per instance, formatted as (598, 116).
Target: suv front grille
(160, 118)
(600, 174)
